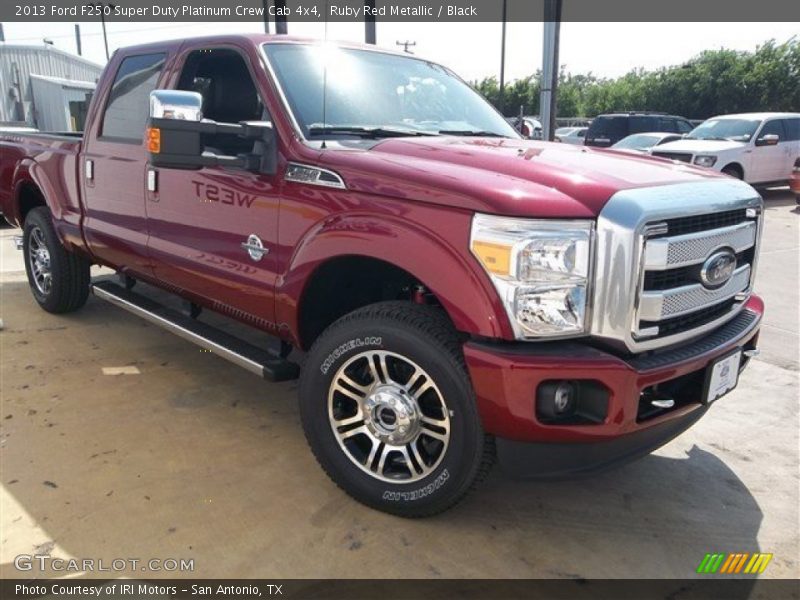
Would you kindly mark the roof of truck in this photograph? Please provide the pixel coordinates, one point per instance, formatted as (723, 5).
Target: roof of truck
(758, 115)
(260, 38)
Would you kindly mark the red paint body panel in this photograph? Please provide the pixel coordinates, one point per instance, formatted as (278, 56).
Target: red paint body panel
(505, 385)
(794, 182)
(408, 202)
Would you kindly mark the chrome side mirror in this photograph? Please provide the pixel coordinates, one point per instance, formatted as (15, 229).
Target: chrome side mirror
(770, 139)
(176, 104)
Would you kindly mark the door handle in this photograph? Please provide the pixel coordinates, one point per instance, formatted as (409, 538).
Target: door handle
(152, 180)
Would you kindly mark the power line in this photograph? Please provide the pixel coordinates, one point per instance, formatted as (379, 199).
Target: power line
(70, 35)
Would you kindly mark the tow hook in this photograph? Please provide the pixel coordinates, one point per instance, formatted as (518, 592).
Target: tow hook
(18, 241)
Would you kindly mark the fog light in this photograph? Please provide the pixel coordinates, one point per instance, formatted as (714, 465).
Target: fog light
(571, 402)
(564, 397)
(556, 400)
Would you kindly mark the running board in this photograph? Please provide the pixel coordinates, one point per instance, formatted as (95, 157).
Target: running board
(254, 359)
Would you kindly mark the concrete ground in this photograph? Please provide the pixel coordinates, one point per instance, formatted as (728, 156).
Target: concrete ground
(193, 458)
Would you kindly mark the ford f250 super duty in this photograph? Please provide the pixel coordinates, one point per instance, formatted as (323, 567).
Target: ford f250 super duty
(454, 293)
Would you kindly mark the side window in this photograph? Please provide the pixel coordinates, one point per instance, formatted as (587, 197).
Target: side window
(667, 125)
(643, 124)
(683, 126)
(792, 128)
(774, 127)
(129, 101)
(221, 76)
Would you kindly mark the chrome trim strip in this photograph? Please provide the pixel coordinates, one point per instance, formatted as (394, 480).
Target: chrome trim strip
(312, 176)
(222, 351)
(684, 300)
(692, 248)
(621, 231)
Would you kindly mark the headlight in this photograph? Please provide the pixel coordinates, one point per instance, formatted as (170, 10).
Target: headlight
(705, 161)
(540, 270)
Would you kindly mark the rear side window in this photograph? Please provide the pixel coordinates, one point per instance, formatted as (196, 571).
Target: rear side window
(610, 127)
(667, 125)
(792, 127)
(644, 124)
(683, 126)
(129, 101)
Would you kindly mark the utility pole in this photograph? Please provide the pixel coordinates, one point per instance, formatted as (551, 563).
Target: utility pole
(281, 27)
(501, 100)
(101, 6)
(548, 98)
(369, 22)
(78, 39)
(406, 45)
(265, 4)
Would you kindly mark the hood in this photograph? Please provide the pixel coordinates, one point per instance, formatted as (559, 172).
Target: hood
(502, 176)
(699, 146)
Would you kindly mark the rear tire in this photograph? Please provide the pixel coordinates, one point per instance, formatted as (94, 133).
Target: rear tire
(59, 280)
(389, 411)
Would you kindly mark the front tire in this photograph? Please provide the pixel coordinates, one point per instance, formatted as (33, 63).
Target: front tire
(59, 280)
(733, 171)
(389, 411)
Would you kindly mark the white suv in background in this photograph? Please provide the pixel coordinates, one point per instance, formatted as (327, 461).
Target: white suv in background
(757, 147)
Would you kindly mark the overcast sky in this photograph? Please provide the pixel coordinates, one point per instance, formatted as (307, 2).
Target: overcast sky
(470, 49)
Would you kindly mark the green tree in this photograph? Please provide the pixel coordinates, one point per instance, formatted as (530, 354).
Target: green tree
(713, 82)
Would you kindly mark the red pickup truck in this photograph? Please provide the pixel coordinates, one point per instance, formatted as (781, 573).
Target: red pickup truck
(455, 293)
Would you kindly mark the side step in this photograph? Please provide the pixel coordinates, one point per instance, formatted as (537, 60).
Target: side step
(254, 359)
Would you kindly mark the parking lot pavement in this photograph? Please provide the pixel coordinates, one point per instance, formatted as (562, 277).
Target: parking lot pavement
(191, 457)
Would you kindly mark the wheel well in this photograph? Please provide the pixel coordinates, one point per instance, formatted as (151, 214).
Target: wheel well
(345, 284)
(734, 167)
(29, 197)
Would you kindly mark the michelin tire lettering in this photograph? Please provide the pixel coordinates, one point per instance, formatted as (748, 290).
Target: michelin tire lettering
(346, 347)
(420, 493)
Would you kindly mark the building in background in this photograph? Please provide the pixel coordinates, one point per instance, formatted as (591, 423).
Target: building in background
(44, 87)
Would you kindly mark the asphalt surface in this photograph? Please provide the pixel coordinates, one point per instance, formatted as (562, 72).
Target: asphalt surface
(191, 457)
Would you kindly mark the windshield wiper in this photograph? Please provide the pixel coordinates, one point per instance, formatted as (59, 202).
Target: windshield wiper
(365, 132)
(712, 138)
(471, 133)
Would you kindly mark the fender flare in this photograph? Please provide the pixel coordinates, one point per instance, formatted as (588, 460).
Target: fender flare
(457, 281)
(29, 172)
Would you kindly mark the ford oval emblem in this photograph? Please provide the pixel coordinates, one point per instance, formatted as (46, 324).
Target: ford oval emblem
(718, 269)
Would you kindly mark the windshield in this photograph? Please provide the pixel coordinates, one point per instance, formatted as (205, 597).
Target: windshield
(637, 142)
(735, 130)
(376, 93)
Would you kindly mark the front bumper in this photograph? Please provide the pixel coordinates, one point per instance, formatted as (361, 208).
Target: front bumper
(506, 377)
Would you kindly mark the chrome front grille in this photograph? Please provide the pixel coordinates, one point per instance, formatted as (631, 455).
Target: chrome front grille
(663, 304)
(652, 244)
(670, 252)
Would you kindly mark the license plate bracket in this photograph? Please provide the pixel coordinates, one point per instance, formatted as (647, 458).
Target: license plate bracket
(722, 376)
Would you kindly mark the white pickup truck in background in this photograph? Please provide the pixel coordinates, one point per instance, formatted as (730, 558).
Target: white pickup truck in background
(759, 148)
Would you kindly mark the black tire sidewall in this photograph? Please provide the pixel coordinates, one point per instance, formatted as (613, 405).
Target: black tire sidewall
(453, 475)
(36, 218)
(733, 172)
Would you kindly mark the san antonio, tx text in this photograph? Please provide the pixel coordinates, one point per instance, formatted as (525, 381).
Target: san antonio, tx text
(79, 590)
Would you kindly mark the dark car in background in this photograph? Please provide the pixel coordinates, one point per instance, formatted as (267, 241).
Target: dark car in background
(606, 130)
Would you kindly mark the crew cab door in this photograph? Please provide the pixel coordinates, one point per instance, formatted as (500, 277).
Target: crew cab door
(769, 163)
(204, 222)
(113, 163)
